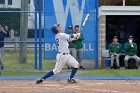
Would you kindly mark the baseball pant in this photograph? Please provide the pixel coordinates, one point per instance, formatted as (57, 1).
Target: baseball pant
(117, 60)
(127, 57)
(1, 53)
(62, 59)
(73, 52)
(1, 56)
(79, 55)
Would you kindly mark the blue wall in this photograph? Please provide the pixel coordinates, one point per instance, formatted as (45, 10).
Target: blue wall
(70, 12)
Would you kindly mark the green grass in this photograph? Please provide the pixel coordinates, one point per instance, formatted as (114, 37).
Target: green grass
(111, 73)
(22, 73)
(11, 61)
(14, 68)
(88, 73)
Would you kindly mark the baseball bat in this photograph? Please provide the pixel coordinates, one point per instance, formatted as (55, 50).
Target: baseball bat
(85, 20)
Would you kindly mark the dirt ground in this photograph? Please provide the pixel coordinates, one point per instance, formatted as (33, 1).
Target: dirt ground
(61, 86)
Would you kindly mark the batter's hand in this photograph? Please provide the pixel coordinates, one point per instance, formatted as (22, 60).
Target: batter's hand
(69, 40)
(78, 35)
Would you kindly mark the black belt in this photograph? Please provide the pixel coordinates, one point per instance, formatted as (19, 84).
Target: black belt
(63, 53)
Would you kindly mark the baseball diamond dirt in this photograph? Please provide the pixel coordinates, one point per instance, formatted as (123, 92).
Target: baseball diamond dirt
(61, 86)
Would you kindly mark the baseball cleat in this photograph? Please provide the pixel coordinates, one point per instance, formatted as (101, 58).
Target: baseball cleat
(71, 81)
(40, 80)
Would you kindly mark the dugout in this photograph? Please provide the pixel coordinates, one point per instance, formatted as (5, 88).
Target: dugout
(121, 21)
(123, 26)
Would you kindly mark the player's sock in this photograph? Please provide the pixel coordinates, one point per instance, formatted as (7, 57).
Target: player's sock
(48, 75)
(74, 70)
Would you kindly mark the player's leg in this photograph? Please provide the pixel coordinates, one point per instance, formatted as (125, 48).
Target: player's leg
(137, 59)
(61, 60)
(73, 63)
(80, 56)
(112, 61)
(117, 61)
(2, 55)
(68, 67)
(78, 53)
(40, 80)
(73, 52)
(126, 60)
(1, 59)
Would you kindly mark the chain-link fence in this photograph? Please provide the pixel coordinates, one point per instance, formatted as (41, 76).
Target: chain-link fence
(17, 34)
(25, 43)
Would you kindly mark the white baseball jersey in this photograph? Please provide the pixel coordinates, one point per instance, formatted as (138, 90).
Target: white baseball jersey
(62, 42)
(63, 57)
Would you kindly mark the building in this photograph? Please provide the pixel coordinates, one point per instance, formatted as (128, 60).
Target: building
(10, 4)
(17, 4)
(118, 20)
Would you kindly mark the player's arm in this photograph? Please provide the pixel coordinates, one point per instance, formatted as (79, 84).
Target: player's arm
(74, 36)
(5, 33)
(81, 37)
(110, 49)
(70, 37)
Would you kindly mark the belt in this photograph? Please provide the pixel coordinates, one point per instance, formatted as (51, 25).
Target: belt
(63, 53)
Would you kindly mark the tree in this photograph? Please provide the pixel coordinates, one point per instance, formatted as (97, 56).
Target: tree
(119, 2)
(23, 32)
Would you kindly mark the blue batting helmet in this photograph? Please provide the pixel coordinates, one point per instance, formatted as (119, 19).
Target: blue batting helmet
(54, 29)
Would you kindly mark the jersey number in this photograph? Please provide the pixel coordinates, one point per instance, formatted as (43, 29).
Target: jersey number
(57, 41)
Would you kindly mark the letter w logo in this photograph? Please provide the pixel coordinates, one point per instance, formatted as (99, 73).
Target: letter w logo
(73, 6)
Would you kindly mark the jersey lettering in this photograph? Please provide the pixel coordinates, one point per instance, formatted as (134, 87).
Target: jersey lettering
(57, 41)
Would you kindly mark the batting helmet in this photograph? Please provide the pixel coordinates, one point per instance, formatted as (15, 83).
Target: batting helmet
(54, 29)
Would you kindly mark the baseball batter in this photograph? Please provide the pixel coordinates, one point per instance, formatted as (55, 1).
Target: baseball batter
(63, 57)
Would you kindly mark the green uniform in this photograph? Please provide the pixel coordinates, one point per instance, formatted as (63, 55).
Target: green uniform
(79, 49)
(72, 44)
(131, 51)
(78, 42)
(115, 48)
